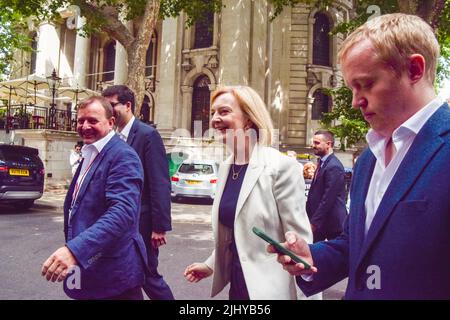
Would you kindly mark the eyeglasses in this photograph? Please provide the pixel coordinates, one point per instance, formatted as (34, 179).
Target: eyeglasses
(113, 104)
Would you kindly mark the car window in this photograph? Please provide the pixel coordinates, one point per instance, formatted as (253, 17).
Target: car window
(15, 156)
(196, 168)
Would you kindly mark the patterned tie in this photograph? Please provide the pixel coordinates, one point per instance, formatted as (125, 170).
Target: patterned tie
(316, 173)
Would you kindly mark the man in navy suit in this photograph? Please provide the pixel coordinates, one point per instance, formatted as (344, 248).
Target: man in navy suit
(396, 240)
(103, 249)
(326, 198)
(155, 207)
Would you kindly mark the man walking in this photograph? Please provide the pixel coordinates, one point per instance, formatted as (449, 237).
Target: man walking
(326, 198)
(101, 215)
(155, 218)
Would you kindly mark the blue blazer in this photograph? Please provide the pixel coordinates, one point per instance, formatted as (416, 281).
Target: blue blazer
(408, 243)
(326, 199)
(103, 231)
(147, 142)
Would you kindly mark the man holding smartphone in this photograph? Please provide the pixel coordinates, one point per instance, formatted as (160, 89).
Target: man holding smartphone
(395, 243)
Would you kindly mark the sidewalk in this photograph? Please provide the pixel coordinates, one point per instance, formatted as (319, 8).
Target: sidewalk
(52, 199)
(187, 212)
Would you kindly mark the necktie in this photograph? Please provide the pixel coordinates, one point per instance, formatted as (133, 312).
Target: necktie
(316, 173)
(85, 166)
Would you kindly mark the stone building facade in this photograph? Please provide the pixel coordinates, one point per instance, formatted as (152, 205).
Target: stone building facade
(287, 60)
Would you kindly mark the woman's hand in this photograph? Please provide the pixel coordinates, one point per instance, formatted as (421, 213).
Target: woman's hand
(197, 271)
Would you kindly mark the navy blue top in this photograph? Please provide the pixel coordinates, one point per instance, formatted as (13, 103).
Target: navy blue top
(227, 213)
(228, 202)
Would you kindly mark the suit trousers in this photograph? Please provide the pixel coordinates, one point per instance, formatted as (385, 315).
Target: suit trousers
(130, 294)
(155, 287)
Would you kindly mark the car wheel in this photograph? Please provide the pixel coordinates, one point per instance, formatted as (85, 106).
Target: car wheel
(25, 204)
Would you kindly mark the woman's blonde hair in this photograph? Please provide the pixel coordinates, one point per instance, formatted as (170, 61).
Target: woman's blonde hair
(252, 106)
(395, 37)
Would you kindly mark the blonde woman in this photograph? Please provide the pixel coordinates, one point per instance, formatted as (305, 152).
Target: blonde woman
(257, 186)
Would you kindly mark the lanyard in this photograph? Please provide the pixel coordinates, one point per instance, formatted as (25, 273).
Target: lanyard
(79, 183)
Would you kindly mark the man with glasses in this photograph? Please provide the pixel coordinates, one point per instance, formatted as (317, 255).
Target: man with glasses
(155, 218)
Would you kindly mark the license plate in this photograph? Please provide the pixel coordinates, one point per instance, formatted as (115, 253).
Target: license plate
(19, 172)
(193, 182)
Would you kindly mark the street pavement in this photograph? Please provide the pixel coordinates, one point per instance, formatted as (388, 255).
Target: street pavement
(29, 237)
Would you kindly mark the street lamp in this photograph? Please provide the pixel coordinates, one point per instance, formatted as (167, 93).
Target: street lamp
(53, 83)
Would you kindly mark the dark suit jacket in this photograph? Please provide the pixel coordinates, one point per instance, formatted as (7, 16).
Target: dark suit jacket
(103, 231)
(326, 199)
(409, 239)
(147, 142)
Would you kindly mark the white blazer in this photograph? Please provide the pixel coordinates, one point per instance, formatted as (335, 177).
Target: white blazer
(272, 198)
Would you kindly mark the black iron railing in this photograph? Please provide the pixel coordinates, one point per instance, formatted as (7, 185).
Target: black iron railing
(25, 116)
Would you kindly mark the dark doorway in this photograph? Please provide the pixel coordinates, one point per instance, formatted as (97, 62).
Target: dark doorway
(109, 61)
(147, 110)
(200, 104)
(321, 38)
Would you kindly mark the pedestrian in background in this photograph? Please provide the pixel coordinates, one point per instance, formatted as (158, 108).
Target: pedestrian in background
(75, 158)
(257, 186)
(308, 171)
(326, 198)
(155, 218)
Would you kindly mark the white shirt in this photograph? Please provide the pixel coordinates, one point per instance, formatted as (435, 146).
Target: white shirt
(74, 159)
(126, 130)
(89, 152)
(402, 138)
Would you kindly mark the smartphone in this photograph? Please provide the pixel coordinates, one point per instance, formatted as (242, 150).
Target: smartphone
(279, 247)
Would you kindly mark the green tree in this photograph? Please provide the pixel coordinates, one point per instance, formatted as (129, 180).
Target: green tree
(113, 17)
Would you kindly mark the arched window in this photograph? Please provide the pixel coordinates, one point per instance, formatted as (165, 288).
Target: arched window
(33, 53)
(200, 105)
(203, 37)
(321, 40)
(320, 105)
(147, 110)
(109, 61)
(150, 59)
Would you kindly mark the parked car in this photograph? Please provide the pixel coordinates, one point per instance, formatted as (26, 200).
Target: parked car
(21, 175)
(196, 179)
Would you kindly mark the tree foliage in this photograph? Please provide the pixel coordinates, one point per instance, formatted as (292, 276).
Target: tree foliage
(111, 17)
(114, 16)
(345, 122)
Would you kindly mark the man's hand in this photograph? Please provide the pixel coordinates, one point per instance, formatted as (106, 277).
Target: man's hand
(158, 239)
(57, 265)
(298, 246)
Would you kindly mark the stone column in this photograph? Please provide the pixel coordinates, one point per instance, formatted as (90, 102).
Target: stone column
(187, 103)
(168, 89)
(121, 65)
(48, 48)
(259, 48)
(81, 57)
(235, 43)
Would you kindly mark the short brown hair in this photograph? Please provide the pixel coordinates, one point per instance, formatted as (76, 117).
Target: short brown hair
(103, 101)
(395, 37)
(329, 136)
